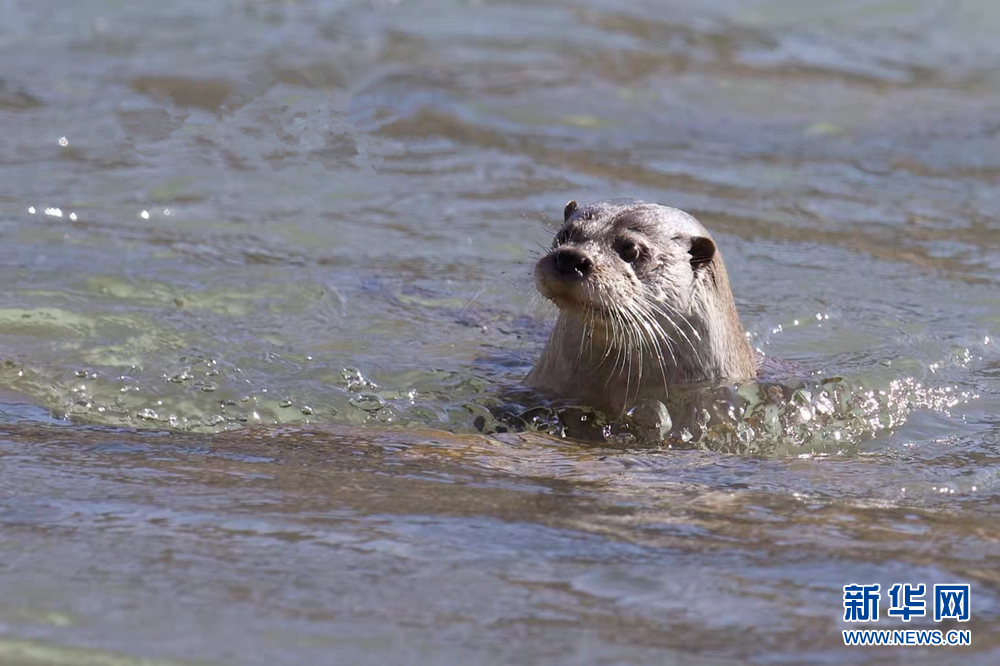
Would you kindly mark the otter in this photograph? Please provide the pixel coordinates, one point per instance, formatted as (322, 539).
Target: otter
(644, 304)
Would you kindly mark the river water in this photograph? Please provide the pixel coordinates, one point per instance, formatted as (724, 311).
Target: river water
(268, 298)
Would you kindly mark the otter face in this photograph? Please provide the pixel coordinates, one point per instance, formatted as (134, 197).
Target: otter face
(617, 257)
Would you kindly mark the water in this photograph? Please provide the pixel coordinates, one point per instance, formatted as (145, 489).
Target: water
(320, 217)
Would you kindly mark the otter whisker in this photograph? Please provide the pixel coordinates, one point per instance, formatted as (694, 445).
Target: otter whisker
(650, 327)
(609, 344)
(618, 331)
(650, 314)
(634, 342)
(666, 315)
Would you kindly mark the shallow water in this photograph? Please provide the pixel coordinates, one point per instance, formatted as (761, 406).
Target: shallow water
(268, 271)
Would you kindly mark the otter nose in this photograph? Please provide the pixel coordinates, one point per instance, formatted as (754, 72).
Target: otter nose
(573, 263)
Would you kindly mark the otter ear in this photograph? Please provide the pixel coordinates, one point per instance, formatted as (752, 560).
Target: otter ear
(702, 250)
(569, 210)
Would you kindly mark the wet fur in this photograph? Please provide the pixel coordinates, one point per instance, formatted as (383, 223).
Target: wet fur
(629, 331)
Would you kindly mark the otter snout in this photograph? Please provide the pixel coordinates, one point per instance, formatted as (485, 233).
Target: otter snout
(572, 263)
(563, 276)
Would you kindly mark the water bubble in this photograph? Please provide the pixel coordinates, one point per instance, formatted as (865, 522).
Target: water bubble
(148, 414)
(307, 410)
(369, 402)
(144, 214)
(211, 420)
(650, 421)
(285, 403)
(208, 388)
(63, 141)
(166, 211)
(31, 210)
(72, 216)
(355, 380)
(54, 212)
(745, 433)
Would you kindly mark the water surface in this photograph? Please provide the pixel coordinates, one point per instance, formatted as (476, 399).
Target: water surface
(268, 276)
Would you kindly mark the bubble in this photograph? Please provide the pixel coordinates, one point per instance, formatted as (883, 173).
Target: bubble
(355, 380)
(369, 402)
(650, 421)
(63, 141)
(31, 210)
(285, 403)
(148, 414)
(144, 214)
(307, 410)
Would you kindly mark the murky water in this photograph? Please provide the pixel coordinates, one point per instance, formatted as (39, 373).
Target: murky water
(319, 218)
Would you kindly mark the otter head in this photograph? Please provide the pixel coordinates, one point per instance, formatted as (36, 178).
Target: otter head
(628, 257)
(644, 303)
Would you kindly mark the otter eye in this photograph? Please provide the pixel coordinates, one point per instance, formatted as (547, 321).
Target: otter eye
(629, 252)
